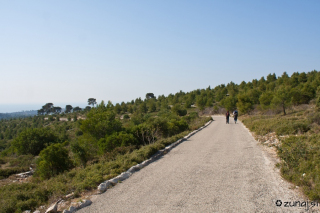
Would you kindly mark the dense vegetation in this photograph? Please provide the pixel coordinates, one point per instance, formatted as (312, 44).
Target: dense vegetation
(74, 150)
(23, 114)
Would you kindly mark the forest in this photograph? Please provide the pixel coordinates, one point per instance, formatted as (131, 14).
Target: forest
(18, 114)
(75, 150)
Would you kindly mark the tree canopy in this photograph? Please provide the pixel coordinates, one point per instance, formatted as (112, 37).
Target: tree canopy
(92, 101)
(32, 141)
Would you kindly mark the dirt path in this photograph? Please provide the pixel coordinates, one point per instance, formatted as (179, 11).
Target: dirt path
(220, 169)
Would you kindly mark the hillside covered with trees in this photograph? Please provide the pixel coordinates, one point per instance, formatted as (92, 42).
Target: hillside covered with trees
(23, 114)
(74, 150)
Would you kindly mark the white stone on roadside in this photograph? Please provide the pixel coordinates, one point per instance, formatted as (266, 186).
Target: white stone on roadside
(160, 152)
(169, 147)
(72, 209)
(114, 180)
(53, 208)
(124, 175)
(70, 195)
(85, 203)
(37, 211)
(140, 166)
(134, 169)
(145, 163)
(102, 187)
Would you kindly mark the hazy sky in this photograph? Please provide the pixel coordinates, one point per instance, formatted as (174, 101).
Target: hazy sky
(69, 51)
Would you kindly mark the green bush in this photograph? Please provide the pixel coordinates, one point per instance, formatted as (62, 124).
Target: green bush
(137, 118)
(245, 103)
(117, 139)
(79, 132)
(80, 153)
(177, 109)
(32, 141)
(100, 123)
(177, 126)
(53, 160)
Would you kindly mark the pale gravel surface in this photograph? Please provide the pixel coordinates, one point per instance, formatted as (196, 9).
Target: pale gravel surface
(219, 169)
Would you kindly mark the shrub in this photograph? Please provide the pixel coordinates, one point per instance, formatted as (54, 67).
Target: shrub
(177, 126)
(53, 160)
(245, 103)
(79, 132)
(137, 118)
(80, 153)
(32, 141)
(109, 143)
(177, 109)
(100, 123)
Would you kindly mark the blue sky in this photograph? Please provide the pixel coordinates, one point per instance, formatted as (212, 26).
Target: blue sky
(65, 52)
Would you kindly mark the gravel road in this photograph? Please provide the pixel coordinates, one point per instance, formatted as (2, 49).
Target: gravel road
(219, 169)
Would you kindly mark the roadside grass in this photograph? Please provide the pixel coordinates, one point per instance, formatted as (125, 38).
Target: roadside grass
(301, 162)
(281, 125)
(18, 197)
(299, 151)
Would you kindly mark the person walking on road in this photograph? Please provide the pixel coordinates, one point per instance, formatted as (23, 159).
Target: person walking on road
(235, 116)
(227, 117)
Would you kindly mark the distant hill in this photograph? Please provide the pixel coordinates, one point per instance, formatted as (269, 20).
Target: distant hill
(22, 114)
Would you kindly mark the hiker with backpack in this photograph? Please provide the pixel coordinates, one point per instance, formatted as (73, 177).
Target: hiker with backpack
(235, 116)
